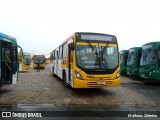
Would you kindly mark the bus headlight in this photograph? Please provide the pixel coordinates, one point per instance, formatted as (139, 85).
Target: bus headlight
(118, 75)
(78, 75)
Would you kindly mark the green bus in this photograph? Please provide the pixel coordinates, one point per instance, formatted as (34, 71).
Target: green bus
(133, 61)
(8, 60)
(123, 61)
(150, 61)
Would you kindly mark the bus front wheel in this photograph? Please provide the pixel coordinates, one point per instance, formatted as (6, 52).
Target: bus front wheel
(65, 81)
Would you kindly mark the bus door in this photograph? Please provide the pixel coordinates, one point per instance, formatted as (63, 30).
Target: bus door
(70, 54)
(56, 65)
(6, 71)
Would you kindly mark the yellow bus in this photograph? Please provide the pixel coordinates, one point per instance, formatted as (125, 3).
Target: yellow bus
(87, 60)
(42, 61)
(24, 61)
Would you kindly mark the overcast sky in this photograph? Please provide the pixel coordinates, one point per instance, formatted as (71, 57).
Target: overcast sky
(41, 25)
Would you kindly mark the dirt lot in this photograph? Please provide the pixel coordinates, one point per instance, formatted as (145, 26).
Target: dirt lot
(42, 88)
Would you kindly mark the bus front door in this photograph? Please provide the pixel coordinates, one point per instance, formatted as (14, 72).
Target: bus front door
(70, 63)
(6, 72)
(56, 65)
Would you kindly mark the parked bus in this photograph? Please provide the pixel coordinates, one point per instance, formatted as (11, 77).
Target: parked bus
(123, 61)
(87, 60)
(24, 61)
(8, 60)
(47, 59)
(42, 61)
(133, 61)
(150, 61)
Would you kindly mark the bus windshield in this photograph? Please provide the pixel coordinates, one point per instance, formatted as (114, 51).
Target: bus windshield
(123, 58)
(149, 57)
(42, 60)
(26, 60)
(131, 58)
(96, 57)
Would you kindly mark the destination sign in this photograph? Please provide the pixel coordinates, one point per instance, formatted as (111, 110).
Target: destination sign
(96, 37)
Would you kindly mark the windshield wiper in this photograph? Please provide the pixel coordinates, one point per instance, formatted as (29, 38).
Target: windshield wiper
(102, 50)
(93, 48)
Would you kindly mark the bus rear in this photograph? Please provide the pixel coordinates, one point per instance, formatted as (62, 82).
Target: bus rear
(150, 61)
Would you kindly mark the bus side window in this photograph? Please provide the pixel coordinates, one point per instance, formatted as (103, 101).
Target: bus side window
(57, 54)
(60, 52)
(54, 55)
(64, 51)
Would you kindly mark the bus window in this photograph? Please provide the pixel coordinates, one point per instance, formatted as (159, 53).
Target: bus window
(64, 51)
(60, 52)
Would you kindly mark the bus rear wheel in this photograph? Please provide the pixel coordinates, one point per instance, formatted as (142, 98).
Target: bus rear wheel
(54, 75)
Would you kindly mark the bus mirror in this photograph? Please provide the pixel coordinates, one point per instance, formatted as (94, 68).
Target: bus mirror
(72, 46)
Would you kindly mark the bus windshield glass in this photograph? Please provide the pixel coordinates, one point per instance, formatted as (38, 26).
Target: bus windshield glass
(26, 60)
(97, 57)
(123, 58)
(131, 58)
(149, 57)
(41, 59)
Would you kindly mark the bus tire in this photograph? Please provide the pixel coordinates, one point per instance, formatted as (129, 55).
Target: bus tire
(65, 81)
(54, 75)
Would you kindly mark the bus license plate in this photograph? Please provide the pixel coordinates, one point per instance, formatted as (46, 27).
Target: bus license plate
(101, 83)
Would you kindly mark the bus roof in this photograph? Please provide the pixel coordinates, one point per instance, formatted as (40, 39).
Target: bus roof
(72, 35)
(92, 33)
(124, 51)
(135, 48)
(8, 37)
(38, 55)
(84, 33)
(156, 42)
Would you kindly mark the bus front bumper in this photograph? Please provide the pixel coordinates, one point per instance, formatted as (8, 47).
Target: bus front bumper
(95, 84)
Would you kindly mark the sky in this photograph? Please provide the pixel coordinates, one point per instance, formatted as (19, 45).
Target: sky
(42, 25)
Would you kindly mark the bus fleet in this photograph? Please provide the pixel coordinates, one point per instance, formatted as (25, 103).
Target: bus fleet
(83, 60)
(143, 61)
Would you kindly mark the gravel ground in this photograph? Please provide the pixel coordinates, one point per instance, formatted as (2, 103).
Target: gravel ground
(42, 88)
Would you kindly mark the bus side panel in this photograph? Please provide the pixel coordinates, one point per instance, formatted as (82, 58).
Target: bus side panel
(20, 66)
(60, 69)
(14, 78)
(54, 65)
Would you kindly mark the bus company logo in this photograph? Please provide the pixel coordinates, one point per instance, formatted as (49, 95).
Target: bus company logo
(6, 114)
